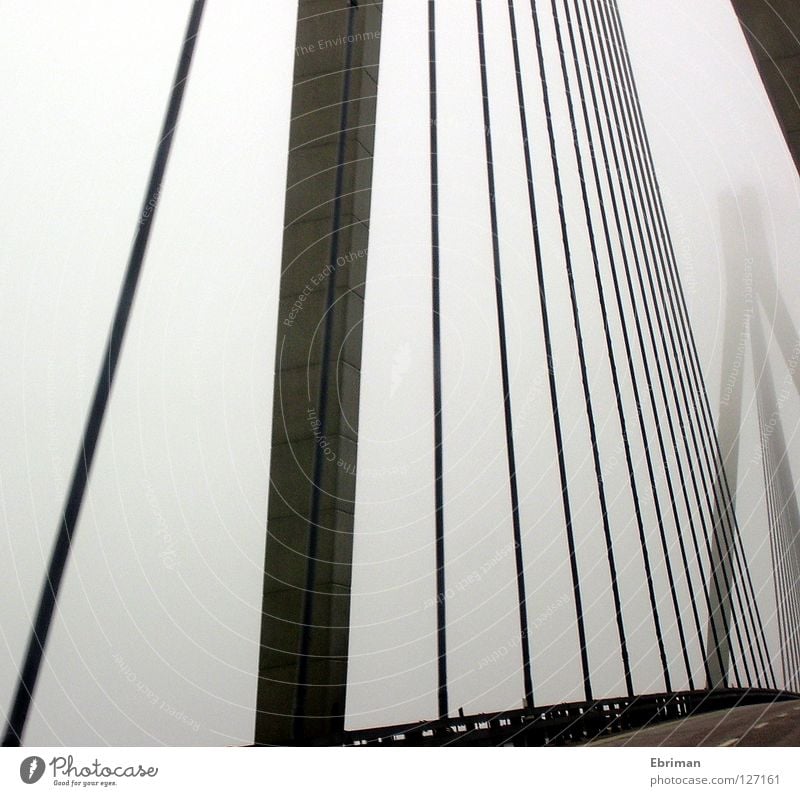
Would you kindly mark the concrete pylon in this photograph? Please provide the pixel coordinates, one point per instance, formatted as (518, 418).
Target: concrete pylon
(306, 599)
(772, 31)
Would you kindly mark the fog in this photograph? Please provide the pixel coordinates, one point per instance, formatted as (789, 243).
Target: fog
(156, 636)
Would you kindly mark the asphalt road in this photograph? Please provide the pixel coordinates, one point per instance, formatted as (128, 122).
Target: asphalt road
(770, 724)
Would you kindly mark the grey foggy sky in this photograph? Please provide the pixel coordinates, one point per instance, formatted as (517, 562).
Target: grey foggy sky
(156, 640)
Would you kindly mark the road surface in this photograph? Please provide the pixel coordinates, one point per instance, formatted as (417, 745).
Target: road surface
(769, 724)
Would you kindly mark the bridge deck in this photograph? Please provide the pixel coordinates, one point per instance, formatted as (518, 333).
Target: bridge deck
(570, 723)
(769, 724)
